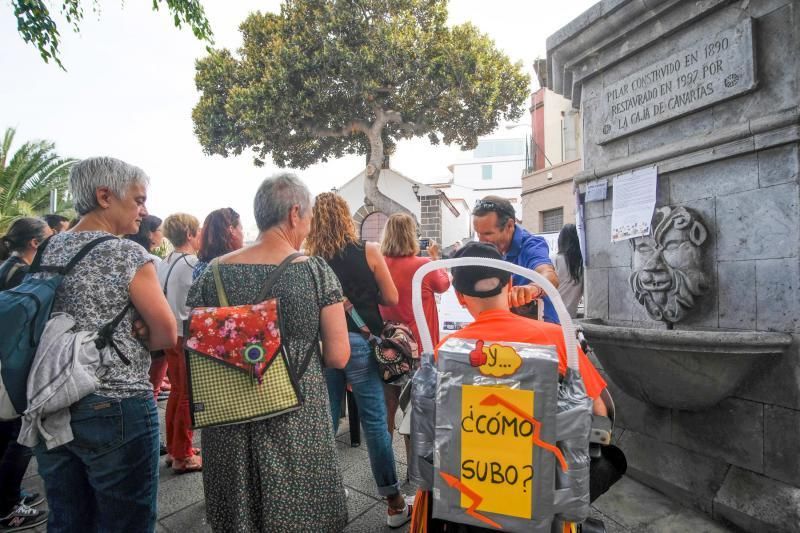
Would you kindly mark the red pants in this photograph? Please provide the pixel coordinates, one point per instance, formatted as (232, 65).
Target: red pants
(158, 369)
(179, 422)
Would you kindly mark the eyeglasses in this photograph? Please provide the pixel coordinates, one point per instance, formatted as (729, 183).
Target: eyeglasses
(484, 205)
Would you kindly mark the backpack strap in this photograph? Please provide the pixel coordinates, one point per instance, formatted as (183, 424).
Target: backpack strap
(105, 335)
(350, 309)
(315, 344)
(276, 274)
(221, 296)
(36, 265)
(166, 281)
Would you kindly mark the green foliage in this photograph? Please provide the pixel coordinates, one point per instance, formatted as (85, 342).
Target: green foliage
(36, 25)
(26, 178)
(326, 78)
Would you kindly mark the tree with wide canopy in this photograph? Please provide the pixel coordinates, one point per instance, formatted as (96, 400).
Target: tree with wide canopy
(326, 78)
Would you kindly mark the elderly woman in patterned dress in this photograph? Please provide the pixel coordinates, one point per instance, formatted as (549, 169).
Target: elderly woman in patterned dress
(106, 478)
(280, 474)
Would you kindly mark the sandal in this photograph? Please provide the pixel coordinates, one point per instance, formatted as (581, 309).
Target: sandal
(169, 460)
(185, 466)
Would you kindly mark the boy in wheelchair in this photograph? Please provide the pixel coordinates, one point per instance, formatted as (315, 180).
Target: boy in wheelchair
(484, 292)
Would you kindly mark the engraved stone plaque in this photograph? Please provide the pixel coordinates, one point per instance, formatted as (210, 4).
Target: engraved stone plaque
(709, 71)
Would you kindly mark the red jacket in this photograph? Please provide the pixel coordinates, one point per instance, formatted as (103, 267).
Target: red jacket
(402, 270)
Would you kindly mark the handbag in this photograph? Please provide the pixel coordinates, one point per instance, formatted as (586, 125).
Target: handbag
(236, 359)
(395, 349)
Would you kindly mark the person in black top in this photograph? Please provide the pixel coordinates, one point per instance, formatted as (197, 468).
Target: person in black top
(366, 282)
(17, 249)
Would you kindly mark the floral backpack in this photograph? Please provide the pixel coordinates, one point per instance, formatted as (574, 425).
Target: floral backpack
(236, 359)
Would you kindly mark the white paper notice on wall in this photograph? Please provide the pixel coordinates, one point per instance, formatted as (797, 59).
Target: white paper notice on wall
(633, 203)
(596, 190)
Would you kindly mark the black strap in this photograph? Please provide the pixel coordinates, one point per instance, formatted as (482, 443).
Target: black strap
(36, 265)
(276, 274)
(166, 282)
(315, 343)
(105, 335)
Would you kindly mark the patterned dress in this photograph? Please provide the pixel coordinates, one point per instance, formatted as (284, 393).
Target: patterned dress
(280, 474)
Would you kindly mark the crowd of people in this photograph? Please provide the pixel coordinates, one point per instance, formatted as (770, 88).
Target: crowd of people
(272, 474)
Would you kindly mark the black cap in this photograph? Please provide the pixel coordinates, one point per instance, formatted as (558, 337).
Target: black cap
(466, 277)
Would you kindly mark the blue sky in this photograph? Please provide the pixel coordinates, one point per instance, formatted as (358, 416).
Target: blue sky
(129, 90)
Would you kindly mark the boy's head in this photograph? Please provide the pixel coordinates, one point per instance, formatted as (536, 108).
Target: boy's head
(481, 287)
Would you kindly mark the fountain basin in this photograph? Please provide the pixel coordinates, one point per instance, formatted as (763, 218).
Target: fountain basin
(680, 369)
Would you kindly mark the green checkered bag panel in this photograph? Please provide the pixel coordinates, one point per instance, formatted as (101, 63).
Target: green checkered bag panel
(220, 394)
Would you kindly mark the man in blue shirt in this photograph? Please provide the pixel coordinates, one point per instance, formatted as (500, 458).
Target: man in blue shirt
(494, 221)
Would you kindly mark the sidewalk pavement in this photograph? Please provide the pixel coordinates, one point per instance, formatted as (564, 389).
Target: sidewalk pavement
(629, 507)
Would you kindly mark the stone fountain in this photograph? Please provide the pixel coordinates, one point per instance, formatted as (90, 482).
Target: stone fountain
(697, 325)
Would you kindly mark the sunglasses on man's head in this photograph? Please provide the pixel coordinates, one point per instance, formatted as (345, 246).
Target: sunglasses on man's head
(482, 205)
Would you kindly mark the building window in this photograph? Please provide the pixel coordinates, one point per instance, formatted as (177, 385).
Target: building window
(552, 220)
(486, 172)
(372, 227)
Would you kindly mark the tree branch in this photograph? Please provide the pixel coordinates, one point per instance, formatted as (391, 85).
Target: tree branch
(345, 131)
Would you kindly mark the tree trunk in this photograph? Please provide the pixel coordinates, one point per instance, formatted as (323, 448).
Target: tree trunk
(374, 196)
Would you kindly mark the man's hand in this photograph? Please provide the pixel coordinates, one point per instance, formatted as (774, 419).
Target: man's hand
(524, 294)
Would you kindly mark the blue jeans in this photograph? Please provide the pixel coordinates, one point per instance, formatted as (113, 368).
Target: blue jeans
(106, 479)
(362, 374)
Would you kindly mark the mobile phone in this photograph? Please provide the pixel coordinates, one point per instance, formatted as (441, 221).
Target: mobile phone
(423, 244)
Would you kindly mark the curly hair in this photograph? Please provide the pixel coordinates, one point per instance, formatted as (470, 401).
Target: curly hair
(217, 238)
(331, 227)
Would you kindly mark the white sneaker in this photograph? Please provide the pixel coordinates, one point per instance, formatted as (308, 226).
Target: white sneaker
(398, 518)
(22, 517)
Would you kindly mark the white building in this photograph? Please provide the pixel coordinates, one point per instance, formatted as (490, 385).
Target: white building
(439, 218)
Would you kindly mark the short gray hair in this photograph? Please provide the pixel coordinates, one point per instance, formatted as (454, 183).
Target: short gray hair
(275, 198)
(89, 174)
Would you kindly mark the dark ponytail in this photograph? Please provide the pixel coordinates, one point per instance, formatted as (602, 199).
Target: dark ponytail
(20, 234)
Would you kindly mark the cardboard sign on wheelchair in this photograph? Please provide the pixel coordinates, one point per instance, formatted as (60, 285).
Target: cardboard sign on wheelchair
(495, 450)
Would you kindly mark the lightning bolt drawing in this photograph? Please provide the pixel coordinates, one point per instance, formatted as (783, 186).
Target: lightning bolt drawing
(493, 399)
(472, 495)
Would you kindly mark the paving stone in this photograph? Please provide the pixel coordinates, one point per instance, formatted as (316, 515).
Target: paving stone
(192, 519)
(781, 444)
(357, 503)
(176, 492)
(732, 431)
(684, 521)
(632, 505)
(778, 165)
(757, 503)
(611, 525)
(744, 233)
(736, 289)
(373, 520)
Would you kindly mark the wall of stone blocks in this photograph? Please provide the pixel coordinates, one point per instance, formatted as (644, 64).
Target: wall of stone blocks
(430, 223)
(751, 207)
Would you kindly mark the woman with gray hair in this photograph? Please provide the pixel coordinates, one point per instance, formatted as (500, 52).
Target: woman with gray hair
(106, 478)
(282, 473)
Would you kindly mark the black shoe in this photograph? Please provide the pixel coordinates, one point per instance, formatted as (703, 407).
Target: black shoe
(22, 517)
(162, 449)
